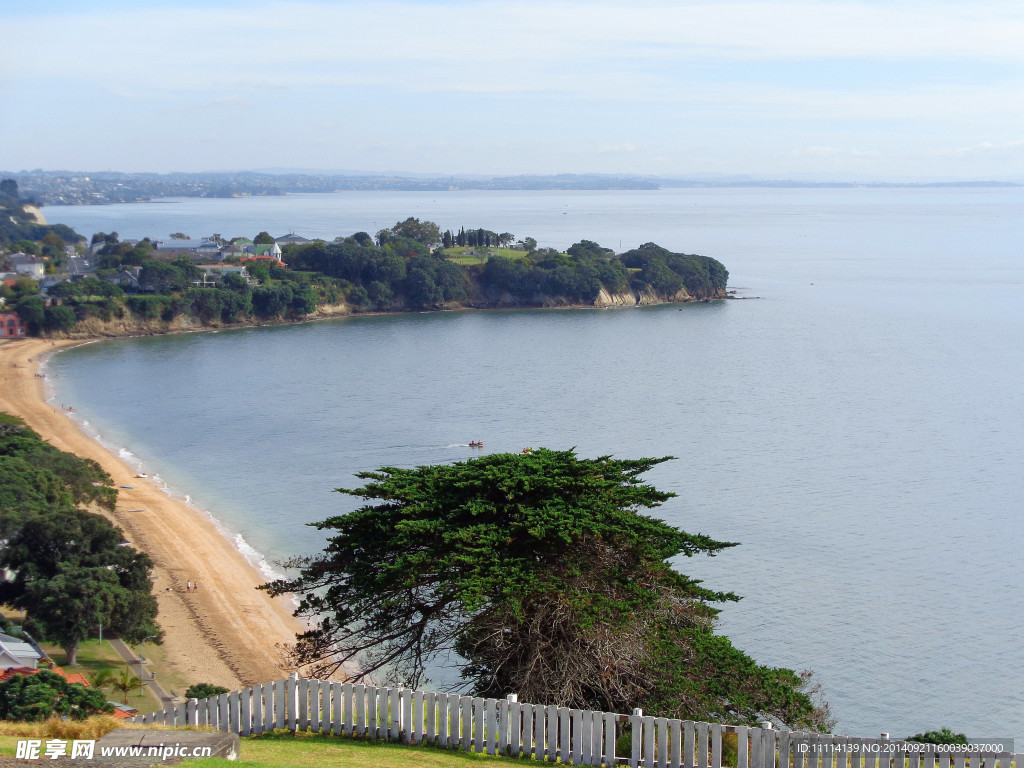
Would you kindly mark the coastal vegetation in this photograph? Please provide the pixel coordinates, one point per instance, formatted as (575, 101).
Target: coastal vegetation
(204, 691)
(941, 736)
(18, 224)
(410, 266)
(69, 569)
(535, 574)
(36, 698)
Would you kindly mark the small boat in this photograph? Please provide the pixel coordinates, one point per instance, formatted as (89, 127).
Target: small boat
(140, 509)
(476, 443)
(142, 474)
(128, 486)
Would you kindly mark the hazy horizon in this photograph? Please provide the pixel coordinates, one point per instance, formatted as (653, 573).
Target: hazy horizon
(669, 178)
(829, 89)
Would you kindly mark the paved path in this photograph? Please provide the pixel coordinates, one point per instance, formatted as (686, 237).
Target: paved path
(129, 656)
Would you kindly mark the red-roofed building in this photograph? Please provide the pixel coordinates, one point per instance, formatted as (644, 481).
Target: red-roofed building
(10, 672)
(263, 259)
(71, 677)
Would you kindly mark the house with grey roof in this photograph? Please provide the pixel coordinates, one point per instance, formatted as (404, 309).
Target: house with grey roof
(194, 250)
(213, 273)
(23, 264)
(17, 652)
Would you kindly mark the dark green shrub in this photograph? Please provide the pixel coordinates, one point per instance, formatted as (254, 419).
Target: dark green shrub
(204, 691)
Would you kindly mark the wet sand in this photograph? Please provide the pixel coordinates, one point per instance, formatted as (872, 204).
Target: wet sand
(226, 632)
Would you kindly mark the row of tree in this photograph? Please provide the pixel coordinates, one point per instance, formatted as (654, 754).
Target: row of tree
(397, 271)
(69, 569)
(474, 238)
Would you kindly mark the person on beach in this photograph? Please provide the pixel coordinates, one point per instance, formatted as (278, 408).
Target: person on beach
(188, 586)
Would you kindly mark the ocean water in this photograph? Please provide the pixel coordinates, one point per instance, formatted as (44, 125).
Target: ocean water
(858, 428)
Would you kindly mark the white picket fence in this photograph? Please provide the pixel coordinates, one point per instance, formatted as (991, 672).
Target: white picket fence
(509, 727)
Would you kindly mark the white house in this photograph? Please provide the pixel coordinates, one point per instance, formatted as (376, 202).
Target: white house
(15, 652)
(27, 265)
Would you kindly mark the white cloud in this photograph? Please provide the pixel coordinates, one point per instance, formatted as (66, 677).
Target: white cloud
(835, 152)
(618, 149)
(984, 148)
(514, 82)
(490, 46)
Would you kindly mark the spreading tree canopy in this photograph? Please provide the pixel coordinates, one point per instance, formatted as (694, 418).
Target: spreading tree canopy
(70, 572)
(68, 568)
(34, 698)
(539, 573)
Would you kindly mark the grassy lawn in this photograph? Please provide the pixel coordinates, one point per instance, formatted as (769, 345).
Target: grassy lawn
(171, 679)
(94, 656)
(467, 256)
(287, 750)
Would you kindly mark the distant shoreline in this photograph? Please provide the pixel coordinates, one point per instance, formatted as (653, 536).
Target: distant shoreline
(65, 188)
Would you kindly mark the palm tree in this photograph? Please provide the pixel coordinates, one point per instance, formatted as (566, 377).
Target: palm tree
(104, 678)
(125, 682)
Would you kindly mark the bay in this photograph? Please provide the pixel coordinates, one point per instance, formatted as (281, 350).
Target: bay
(859, 428)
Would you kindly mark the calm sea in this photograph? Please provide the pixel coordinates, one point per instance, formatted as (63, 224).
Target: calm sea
(859, 428)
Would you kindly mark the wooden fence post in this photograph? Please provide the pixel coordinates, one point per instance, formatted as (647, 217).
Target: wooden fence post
(742, 745)
(396, 712)
(233, 712)
(245, 713)
(504, 724)
(268, 706)
(430, 717)
(636, 724)
(466, 722)
(408, 731)
(302, 691)
(492, 725)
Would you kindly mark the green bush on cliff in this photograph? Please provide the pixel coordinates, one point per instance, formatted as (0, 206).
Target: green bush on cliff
(667, 272)
(149, 306)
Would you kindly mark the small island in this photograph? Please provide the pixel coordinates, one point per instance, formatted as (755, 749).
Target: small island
(58, 284)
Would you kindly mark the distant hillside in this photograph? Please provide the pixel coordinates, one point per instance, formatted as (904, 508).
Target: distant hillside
(21, 220)
(98, 188)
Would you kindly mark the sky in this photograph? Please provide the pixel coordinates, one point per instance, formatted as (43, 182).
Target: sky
(897, 90)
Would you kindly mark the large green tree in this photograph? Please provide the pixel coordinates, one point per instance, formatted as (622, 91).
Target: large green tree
(35, 477)
(539, 572)
(34, 698)
(426, 233)
(71, 571)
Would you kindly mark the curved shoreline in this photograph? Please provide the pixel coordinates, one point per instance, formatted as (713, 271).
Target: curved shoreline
(226, 633)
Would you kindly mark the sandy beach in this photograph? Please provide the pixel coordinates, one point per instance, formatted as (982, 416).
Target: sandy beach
(227, 633)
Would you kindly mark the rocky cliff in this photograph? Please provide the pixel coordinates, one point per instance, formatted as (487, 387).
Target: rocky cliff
(130, 324)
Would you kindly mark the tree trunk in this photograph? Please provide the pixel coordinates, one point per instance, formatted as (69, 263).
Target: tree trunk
(71, 653)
